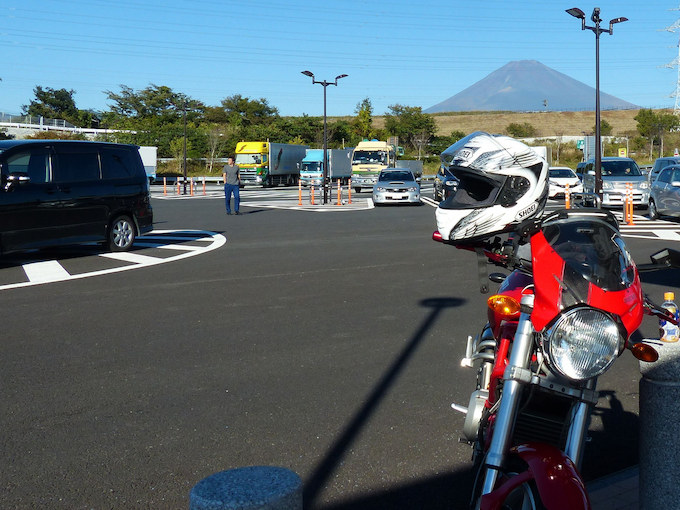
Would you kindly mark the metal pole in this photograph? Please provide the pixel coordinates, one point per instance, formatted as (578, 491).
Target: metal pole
(325, 147)
(325, 175)
(595, 17)
(184, 164)
(598, 143)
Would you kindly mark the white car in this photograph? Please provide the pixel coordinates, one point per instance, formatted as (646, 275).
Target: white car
(558, 178)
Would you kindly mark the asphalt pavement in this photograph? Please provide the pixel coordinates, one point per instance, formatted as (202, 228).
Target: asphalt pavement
(327, 343)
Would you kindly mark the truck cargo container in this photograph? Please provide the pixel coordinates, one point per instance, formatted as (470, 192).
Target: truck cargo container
(269, 164)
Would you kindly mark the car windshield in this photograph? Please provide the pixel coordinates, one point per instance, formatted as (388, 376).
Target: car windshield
(622, 168)
(562, 172)
(396, 175)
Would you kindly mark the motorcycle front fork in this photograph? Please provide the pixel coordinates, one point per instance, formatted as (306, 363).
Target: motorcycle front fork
(520, 357)
(516, 375)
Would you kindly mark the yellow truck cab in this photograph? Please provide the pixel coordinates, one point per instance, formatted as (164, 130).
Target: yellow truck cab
(269, 164)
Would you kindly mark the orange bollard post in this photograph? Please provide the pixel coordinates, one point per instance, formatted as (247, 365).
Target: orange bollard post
(349, 190)
(204, 184)
(629, 203)
(299, 192)
(312, 191)
(191, 187)
(567, 197)
(165, 185)
(339, 194)
(178, 186)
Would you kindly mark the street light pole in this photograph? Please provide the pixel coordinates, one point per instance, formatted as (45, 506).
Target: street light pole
(184, 161)
(595, 17)
(325, 84)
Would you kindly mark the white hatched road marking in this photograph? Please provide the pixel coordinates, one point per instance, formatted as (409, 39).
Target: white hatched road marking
(52, 271)
(44, 272)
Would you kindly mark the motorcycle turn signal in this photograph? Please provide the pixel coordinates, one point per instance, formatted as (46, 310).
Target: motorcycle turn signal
(505, 306)
(644, 352)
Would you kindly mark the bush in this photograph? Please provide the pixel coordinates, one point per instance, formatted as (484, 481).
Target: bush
(524, 130)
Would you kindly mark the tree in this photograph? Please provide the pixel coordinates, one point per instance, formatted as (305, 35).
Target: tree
(363, 124)
(243, 111)
(606, 128)
(155, 116)
(439, 144)
(58, 104)
(410, 124)
(653, 126)
(157, 102)
(217, 140)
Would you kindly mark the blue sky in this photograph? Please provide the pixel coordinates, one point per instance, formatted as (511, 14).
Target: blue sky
(406, 52)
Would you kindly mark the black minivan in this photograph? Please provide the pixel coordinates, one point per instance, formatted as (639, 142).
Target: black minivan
(57, 192)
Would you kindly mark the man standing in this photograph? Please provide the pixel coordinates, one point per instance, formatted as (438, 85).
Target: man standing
(232, 180)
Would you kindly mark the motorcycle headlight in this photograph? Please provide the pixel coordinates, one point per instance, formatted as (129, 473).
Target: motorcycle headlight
(583, 343)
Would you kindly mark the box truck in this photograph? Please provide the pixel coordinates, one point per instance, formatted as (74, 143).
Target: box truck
(269, 164)
(339, 166)
(368, 158)
(149, 160)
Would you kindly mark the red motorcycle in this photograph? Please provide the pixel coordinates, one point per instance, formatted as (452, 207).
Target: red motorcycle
(560, 319)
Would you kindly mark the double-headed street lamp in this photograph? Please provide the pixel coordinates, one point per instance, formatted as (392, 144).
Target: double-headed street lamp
(325, 130)
(595, 17)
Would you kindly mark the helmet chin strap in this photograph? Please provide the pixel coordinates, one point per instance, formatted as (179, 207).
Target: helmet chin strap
(482, 272)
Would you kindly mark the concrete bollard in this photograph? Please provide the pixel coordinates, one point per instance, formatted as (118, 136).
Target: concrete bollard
(248, 488)
(659, 430)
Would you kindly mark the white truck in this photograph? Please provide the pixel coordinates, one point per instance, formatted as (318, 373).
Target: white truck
(368, 158)
(339, 166)
(149, 159)
(269, 164)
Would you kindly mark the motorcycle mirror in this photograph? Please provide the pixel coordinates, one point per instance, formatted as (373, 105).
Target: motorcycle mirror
(666, 257)
(497, 277)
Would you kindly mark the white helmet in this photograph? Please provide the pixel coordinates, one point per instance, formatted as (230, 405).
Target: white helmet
(501, 182)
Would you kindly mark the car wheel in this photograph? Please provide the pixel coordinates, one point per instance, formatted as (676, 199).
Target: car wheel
(652, 212)
(121, 234)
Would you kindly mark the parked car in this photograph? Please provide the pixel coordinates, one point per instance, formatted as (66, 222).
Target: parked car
(444, 183)
(57, 192)
(616, 173)
(660, 164)
(558, 179)
(579, 170)
(664, 198)
(396, 185)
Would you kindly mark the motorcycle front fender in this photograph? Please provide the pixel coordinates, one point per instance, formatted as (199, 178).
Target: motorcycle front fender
(557, 480)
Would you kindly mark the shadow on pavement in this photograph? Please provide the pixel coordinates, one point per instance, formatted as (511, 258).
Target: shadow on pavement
(450, 491)
(321, 474)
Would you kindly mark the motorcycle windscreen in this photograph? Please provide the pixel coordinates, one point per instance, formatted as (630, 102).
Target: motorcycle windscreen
(584, 260)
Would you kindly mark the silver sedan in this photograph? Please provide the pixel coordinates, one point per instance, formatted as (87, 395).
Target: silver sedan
(396, 185)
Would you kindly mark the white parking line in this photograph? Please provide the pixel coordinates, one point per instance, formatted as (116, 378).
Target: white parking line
(51, 271)
(43, 272)
(134, 258)
(178, 247)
